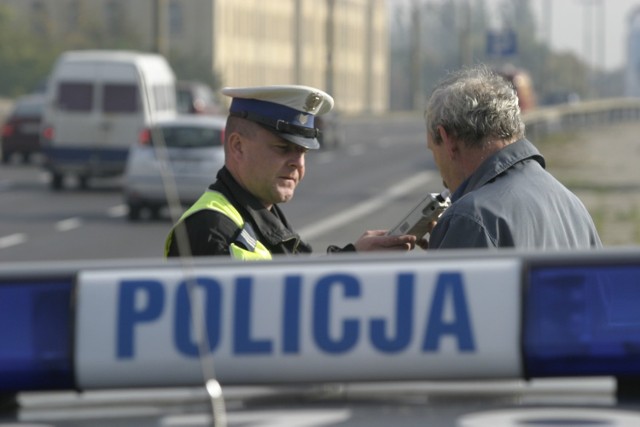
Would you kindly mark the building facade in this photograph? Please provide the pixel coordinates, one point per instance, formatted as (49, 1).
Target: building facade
(632, 71)
(337, 45)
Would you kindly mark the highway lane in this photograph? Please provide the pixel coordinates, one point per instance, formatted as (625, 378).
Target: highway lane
(369, 182)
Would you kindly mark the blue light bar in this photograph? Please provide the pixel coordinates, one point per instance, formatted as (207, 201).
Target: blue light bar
(582, 321)
(35, 335)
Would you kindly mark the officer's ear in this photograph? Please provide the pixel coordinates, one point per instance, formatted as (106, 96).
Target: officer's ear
(235, 144)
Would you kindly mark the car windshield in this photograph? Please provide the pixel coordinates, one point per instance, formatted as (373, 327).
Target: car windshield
(29, 109)
(184, 101)
(191, 137)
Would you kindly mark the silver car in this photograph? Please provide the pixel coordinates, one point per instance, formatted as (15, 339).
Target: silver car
(184, 153)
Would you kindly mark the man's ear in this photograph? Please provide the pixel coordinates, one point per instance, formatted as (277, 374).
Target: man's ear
(450, 143)
(235, 144)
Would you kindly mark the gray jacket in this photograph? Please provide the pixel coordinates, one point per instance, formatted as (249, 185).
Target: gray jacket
(512, 201)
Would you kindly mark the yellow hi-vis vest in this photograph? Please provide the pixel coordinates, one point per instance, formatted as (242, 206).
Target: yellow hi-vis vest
(216, 201)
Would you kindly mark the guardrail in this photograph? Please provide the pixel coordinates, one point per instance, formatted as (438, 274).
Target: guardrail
(544, 121)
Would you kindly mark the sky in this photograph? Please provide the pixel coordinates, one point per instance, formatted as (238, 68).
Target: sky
(580, 25)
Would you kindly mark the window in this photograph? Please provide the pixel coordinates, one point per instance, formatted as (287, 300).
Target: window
(114, 18)
(184, 101)
(176, 19)
(75, 96)
(120, 98)
(73, 15)
(191, 137)
(31, 108)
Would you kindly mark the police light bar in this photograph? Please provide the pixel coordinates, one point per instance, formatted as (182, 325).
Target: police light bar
(36, 334)
(331, 319)
(582, 320)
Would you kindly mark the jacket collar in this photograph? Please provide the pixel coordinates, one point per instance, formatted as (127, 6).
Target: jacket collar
(498, 163)
(272, 225)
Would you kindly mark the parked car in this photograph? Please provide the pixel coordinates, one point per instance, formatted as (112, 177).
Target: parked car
(21, 130)
(194, 153)
(194, 97)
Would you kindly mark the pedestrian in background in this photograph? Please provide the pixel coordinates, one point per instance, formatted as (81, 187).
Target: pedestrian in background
(268, 133)
(501, 194)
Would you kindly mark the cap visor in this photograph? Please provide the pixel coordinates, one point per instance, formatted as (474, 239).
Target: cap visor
(308, 143)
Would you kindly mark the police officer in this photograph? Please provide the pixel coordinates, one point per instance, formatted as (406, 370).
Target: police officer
(268, 132)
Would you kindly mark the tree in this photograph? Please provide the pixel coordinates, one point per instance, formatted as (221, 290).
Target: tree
(24, 58)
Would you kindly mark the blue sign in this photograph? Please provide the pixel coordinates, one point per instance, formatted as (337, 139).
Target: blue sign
(502, 43)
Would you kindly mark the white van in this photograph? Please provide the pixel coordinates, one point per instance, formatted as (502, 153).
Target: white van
(99, 103)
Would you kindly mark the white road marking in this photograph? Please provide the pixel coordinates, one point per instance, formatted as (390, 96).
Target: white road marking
(68, 224)
(364, 208)
(117, 211)
(62, 226)
(12, 240)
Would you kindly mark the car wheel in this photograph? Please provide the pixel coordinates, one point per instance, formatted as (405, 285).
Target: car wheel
(154, 212)
(26, 158)
(134, 212)
(57, 181)
(83, 181)
(6, 156)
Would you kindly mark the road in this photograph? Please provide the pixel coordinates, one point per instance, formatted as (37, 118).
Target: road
(368, 183)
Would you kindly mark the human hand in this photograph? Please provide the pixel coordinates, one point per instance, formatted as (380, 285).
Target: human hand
(424, 242)
(377, 240)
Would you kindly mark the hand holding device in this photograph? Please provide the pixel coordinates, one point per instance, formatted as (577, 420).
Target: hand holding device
(417, 221)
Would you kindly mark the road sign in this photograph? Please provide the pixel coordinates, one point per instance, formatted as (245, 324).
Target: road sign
(502, 43)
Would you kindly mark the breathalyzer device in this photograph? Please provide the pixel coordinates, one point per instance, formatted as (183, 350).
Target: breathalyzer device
(424, 213)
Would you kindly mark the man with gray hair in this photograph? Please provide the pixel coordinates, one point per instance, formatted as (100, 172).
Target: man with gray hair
(501, 194)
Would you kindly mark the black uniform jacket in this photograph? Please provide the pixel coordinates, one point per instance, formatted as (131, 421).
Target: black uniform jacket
(211, 232)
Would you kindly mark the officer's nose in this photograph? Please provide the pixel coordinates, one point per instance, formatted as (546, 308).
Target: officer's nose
(298, 160)
(297, 157)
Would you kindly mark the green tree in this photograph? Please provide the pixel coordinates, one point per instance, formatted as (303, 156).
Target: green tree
(25, 58)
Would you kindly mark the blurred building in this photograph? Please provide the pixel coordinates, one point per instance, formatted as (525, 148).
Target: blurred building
(632, 74)
(337, 45)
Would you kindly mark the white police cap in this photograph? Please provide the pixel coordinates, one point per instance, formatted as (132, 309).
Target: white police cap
(288, 110)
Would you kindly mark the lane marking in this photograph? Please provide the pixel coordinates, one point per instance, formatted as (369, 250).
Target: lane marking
(12, 240)
(117, 211)
(68, 224)
(365, 208)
